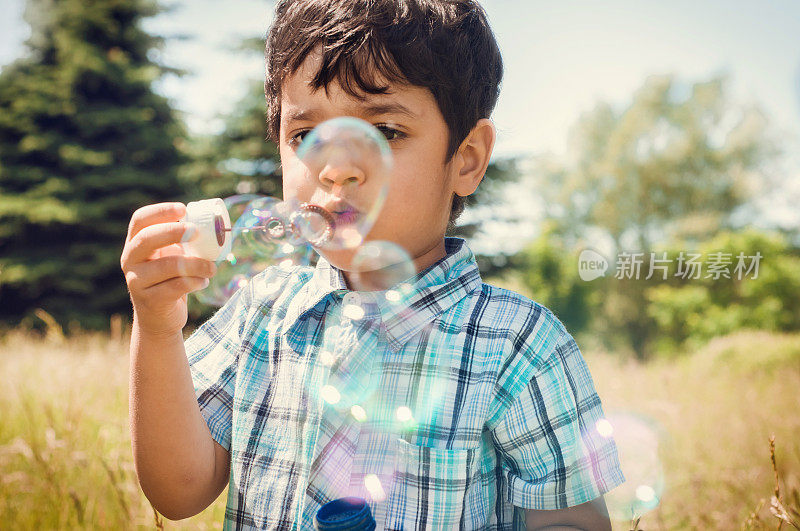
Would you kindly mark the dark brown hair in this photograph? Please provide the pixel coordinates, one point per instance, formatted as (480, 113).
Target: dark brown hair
(445, 46)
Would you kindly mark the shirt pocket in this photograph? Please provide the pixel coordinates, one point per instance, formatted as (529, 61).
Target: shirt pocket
(428, 487)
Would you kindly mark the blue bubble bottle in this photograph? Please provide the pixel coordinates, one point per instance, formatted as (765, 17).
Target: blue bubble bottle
(345, 514)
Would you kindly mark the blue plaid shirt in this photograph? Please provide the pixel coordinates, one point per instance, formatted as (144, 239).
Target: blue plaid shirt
(456, 406)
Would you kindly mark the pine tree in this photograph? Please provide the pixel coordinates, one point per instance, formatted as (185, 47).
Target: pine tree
(84, 141)
(239, 160)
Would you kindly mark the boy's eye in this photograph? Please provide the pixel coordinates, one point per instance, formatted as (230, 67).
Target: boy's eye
(389, 132)
(298, 138)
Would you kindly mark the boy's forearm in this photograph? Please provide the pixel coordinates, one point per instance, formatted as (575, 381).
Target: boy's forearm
(172, 447)
(588, 516)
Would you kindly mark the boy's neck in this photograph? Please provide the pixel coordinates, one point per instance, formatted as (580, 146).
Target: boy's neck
(421, 262)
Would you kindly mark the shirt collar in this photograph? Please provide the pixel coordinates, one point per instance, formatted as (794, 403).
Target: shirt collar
(414, 303)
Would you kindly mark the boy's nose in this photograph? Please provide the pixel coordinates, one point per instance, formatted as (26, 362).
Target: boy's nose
(341, 173)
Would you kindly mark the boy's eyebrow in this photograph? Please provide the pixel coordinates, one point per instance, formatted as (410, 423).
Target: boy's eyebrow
(369, 110)
(387, 108)
(301, 115)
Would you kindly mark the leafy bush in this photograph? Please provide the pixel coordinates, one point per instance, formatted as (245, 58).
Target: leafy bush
(692, 311)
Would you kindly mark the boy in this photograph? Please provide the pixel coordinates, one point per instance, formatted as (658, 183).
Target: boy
(495, 407)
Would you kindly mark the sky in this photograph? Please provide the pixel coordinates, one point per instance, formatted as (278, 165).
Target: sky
(560, 58)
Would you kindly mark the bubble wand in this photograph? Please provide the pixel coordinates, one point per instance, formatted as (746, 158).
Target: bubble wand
(214, 226)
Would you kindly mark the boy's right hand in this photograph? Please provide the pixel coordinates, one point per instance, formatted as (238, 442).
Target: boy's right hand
(158, 272)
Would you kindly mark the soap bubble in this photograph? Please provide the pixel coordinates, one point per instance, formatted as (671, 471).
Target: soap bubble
(268, 222)
(225, 283)
(330, 394)
(252, 249)
(352, 160)
(353, 311)
(404, 414)
(358, 413)
(382, 265)
(639, 442)
(254, 228)
(373, 484)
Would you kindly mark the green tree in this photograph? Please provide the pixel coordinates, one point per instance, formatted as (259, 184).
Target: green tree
(500, 173)
(84, 141)
(549, 271)
(677, 162)
(241, 159)
(759, 289)
(673, 163)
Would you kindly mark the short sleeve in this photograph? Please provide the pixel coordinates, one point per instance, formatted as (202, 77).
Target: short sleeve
(551, 452)
(213, 353)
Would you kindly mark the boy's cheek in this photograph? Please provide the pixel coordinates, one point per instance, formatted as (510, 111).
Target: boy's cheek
(294, 182)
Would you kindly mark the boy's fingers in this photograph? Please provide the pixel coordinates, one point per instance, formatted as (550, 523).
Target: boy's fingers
(154, 237)
(152, 214)
(175, 288)
(147, 274)
(173, 250)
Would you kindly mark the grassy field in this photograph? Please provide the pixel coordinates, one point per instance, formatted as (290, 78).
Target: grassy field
(65, 459)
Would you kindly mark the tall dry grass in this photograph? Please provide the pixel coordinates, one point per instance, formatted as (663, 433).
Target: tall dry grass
(718, 407)
(65, 458)
(65, 455)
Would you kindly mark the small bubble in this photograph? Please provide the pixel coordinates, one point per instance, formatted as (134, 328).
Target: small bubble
(373, 484)
(326, 357)
(287, 248)
(404, 414)
(406, 288)
(638, 439)
(351, 237)
(645, 493)
(353, 311)
(330, 394)
(358, 413)
(381, 265)
(393, 295)
(604, 428)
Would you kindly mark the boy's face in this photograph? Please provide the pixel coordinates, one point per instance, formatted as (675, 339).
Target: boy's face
(421, 183)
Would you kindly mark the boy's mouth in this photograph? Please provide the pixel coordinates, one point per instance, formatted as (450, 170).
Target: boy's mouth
(345, 215)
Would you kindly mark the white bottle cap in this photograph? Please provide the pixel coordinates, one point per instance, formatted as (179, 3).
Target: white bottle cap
(212, 219)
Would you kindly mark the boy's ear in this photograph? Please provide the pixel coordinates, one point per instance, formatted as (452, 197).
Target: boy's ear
(473, 157)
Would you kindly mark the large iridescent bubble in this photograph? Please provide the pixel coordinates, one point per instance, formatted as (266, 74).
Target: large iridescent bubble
(233, 234)
(639, 441)
(382, 266)
(351, 162)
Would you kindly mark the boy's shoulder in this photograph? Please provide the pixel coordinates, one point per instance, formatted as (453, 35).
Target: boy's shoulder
(502, 322)
(531, 336)
(526, 322)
